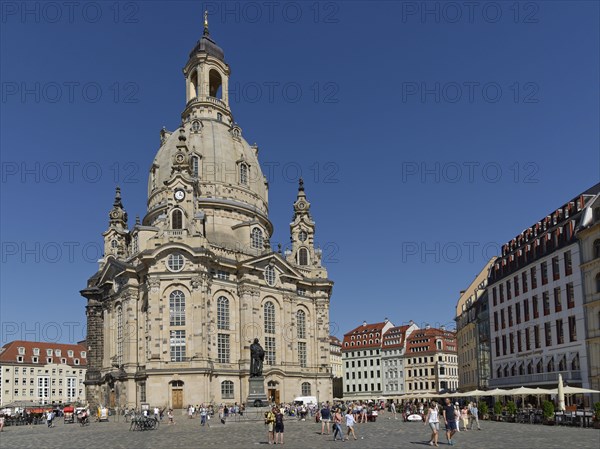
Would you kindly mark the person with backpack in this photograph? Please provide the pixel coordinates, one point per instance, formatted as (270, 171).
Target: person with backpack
(270, 423)
(278, 426)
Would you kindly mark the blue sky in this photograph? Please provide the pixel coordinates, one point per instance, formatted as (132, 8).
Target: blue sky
(426, 137)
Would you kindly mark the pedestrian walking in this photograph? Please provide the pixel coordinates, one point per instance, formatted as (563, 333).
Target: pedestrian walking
(350, 421)
(450, 420)
(337, 425)
(474, 415)
(170, 416)
(393, 409)
(432, 419)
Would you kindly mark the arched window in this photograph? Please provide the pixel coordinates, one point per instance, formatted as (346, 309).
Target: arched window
(223, 313)
(301, 323)
(539, 367)
(120, 335)
(596, 248)
(270, 276)
(214, 84)
(193, 84)
(113, 244)
(227, 389)
(306, 389)
(177, 219)
(302, 256)
(177, 308)
(269, 317)
(269, 324)
(256, 238)
(195, 165)
(550, 366)
(575, 363)
(438, 344)
(244, 174)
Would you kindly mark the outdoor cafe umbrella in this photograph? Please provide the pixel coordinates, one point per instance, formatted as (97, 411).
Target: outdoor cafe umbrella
(561, 394)
(497, 392)
(524, 391)
(475, 393)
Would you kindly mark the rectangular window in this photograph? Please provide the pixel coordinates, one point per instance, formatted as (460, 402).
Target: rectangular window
(536, 336)
(177, 345)
(568, 263)
(142, 391)
(502, 320)
(516, 285)
(524, 281)
(508, 290)
(501, 288)
(534, 305)
(497, 348)
(519, 345)
(526, 309)
(71, 387)
(223, 348)
(544, 270)
(504, 345)
(533, 277)
(518, 312)
(510, 316)
(546, 303)
(572, 329)
(494, 296)
(560, 338)
(43, 384)
(548, 333)
(511, 340)
(270, 351)
(570, 296)
(557, 302)
(302, 353)
(555, 268)
(527, 340)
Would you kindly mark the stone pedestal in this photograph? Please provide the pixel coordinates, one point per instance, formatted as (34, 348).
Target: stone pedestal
(256, 396)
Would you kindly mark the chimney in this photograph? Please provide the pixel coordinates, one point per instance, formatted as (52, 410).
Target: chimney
(427, 326)
(443, 327)
(364, 323)
(385, 320)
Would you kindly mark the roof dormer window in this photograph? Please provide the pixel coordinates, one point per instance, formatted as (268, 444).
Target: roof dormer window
(36, 351)
(83, 354)
(70, 353)
(49, 352)
(57, 352)
(21, 350)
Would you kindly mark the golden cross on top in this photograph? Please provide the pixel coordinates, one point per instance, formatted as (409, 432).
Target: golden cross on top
(205, 22)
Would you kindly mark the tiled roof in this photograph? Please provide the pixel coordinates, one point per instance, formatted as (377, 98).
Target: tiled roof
(394, 337)
(424, 341)
(365, 336)
(11, 352)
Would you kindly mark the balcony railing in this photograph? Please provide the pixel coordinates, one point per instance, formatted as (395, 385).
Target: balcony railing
(540, 378)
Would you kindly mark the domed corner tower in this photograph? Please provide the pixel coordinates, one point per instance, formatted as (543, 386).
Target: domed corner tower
(179, 297)
(209, 160)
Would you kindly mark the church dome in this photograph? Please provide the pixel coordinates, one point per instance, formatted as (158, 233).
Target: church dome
(223, 165)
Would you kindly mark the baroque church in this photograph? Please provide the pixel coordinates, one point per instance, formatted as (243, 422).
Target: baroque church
(179, 297)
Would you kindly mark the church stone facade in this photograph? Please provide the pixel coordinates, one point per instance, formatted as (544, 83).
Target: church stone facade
(179, 297)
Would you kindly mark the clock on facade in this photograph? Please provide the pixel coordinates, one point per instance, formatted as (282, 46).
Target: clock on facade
(179, 195)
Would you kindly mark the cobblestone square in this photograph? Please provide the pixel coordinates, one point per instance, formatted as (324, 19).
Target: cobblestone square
(385, 433)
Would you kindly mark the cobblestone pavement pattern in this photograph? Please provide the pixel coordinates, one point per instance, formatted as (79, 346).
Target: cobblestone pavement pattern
(383, 434)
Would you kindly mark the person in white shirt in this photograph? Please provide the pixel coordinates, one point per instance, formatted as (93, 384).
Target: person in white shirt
(433, 420)
(350, 421)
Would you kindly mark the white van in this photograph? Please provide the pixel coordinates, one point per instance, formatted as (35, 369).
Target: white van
(305, 400)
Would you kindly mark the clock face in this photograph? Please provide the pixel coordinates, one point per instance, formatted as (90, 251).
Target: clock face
(301, 205)
(179, 195)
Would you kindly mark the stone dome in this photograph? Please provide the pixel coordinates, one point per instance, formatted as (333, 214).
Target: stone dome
(218, 151)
